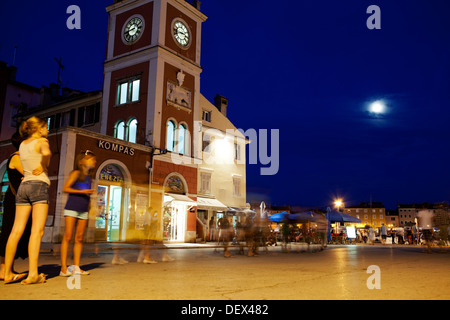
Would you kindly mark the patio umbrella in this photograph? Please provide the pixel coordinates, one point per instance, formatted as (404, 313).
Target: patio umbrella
(336, 216)
(278, 217)
(240, 211)
(302, 216)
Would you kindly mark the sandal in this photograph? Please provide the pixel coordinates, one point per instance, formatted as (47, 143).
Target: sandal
(65, 274)
(77, 270)
(41, 279)
(82, 272)
(17, 278)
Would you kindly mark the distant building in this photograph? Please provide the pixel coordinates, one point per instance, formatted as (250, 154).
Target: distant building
(441, 214)
(71, 108)
(15, 97)
(370, 213)
(407, 212)
(392, 219)
(60, 107)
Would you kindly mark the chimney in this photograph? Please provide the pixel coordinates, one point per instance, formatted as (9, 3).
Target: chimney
(197, 4)
(12, 73)
(65, 92)
(221, 104)
(54, 89)
(45, 96)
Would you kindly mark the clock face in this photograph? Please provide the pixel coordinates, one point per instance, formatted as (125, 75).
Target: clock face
(133, 29)
(181, 33)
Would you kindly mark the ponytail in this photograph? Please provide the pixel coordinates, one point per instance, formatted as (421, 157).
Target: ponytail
(30, 126)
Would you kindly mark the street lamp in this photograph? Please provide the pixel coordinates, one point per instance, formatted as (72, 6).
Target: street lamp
(338, 203)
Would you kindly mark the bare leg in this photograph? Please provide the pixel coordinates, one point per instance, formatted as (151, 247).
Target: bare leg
(2, 268)
(20, 222)
(147, 256)
(78, 246)
(40, 211)
(70, 224)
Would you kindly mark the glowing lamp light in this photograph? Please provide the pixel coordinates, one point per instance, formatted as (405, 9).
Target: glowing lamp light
(377, 107)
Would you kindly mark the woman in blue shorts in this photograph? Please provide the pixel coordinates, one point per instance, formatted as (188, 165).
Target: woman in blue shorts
(32, 198)
(76, 211)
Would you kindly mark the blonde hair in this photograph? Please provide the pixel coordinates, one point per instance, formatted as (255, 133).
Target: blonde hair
(78, 165)
(30, 126)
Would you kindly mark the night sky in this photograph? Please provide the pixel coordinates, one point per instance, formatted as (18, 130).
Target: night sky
(308, 68)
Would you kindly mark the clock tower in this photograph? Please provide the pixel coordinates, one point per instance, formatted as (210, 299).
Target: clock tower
(151, 89)
(151, 96)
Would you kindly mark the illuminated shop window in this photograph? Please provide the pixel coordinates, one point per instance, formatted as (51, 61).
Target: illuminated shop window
(119, 130)
(128, 91)
(177, 138)
(170, 136)
(132, 130)
(182, 139)
(135, 84)
(122, 93)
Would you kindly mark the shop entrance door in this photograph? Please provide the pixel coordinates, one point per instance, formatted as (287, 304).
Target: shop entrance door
(175, 221)
(109, 204)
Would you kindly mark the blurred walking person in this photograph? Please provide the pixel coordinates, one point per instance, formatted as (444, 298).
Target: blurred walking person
(152, 238)
(240, 235)
(249, 236)
(383, 231)
(225, 234)
(15, 174)
(415, 232)
(222, 224)
(76, 211)
(322, 231)
(212, 229)
(32, 197)
(426, 223)
(286, 233)
(371, 236)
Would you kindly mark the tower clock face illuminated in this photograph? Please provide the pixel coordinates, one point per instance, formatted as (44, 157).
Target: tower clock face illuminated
(133, 29)
(181, 33)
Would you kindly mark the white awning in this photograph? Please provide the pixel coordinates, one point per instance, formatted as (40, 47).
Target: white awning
(210, 204)
(240, 211)
(169, 197)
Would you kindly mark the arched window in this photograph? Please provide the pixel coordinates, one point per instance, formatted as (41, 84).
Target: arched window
(132, 130)
(119, 130)
(182, 130)
(170, 136)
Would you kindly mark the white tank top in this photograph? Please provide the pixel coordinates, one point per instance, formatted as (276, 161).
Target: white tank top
(30, 160)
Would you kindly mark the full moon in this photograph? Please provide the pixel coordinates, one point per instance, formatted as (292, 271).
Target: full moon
(377, 107)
